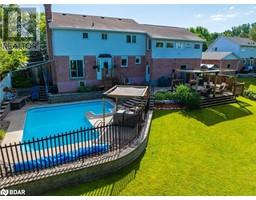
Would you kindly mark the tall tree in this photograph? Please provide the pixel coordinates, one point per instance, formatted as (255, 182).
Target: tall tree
(253, 32)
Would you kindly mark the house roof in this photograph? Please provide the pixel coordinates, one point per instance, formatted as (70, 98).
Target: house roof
(242, 41)
(89, 22)
(216, 55)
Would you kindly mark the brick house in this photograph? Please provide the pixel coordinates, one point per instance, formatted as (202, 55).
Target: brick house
(90, 48)
(224, 60)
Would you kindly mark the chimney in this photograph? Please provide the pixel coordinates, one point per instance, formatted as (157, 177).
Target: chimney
(48, 19)
(48, 12)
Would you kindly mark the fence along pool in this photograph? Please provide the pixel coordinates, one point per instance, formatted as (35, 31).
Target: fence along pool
(51, 151)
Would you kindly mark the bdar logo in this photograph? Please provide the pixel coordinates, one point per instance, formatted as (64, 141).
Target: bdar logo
(4, 192)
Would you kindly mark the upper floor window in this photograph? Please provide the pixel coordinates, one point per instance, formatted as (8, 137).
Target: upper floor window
(130, 38)
(104, 36)
(188, 45)
(215, 49)
(76, 69)
(179, 45)
(169, 45)
(137, 60)
(124, 61)
(159, 44)
(228, 66)
(85, 35)
(197, 46)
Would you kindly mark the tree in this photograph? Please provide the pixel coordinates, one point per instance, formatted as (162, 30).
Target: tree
(253, 32)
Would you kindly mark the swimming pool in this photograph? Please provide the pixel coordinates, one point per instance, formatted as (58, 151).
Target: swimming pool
(49, 120)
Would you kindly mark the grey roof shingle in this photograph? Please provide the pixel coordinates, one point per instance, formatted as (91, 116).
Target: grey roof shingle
(75, 21)
(216, 55)
(243, 41)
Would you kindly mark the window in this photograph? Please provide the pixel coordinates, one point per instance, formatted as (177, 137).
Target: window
(134, 39)
(124, 61)
(187, 45)
(137, 60)
(85, 35)
(159, 44)
(179, 45)
(130, 38)
(76, 68)
(228, 66)
(104, 36)
(197, 46)
(169, 45)
(149, 44)
(215, 49)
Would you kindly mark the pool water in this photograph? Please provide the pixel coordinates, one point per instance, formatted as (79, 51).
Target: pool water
(50, 120)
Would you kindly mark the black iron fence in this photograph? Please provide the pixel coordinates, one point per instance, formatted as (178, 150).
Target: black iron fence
(79, 145)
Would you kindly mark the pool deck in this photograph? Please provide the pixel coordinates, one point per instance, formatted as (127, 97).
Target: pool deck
(17, 118)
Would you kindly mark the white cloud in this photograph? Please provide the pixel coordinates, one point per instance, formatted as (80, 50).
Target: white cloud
(198, 15)
(231, 7)
(250, 12)
(223, 17)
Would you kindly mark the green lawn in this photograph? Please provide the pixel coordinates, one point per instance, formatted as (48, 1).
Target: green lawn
(202, 152)
(250, 83)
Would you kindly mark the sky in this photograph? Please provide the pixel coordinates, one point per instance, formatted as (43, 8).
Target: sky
(216, 18)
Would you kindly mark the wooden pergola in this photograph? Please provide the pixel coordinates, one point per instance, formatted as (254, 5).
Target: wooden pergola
(124, 91)
(215, 72)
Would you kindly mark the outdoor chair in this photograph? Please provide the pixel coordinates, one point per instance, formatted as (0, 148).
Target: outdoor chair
(221, 89)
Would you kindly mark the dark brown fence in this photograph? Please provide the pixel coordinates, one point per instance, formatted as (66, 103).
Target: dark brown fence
(79, 145)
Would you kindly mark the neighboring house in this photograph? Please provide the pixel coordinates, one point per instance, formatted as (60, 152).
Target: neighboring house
(242, 47)
(84, 46)
(224, 60)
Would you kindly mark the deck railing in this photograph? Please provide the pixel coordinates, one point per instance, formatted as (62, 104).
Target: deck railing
(79, 145)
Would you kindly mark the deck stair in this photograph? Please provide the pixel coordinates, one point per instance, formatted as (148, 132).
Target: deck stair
(42, 94)
(219, 100)
(4, 109)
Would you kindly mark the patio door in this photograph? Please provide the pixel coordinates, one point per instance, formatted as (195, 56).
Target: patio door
(104, 68)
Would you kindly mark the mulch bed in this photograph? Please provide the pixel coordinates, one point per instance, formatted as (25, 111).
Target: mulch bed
(173, 106)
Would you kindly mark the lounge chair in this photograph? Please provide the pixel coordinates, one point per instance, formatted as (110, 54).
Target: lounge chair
(221, 89)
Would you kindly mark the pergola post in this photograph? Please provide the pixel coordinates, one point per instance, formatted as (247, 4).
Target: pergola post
(215, 82)
(103, 111)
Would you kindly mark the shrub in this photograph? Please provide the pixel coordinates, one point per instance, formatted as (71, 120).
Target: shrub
(21, 82)
(250, 94)
(165, 96)
(83, 89)
(187, 96)
(2, 134)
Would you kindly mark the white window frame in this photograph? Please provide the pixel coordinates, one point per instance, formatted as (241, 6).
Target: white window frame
(138, 57)
(196, 45)
(104, 36)
(122, 58)
(179, 45)
(188, 45)
(85, 38)
(70, 69)
(132, 41)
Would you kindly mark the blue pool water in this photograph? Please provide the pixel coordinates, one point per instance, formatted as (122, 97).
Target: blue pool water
(50, 120)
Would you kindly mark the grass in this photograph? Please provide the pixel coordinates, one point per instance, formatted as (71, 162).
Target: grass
(201, 152)
(250, 82)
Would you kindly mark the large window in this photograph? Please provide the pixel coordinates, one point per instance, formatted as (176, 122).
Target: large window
(76, 69)
(159, 44)
(104, 36)
(130, 38)
(124, 61)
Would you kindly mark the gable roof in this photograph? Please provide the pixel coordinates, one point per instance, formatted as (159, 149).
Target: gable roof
(216, 55)
(89, 22)
(242, 41)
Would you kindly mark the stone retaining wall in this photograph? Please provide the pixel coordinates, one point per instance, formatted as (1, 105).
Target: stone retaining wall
(126, 157)
(70, 97)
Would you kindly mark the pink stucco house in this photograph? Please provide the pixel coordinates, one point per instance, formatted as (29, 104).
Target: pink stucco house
(88, 49)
